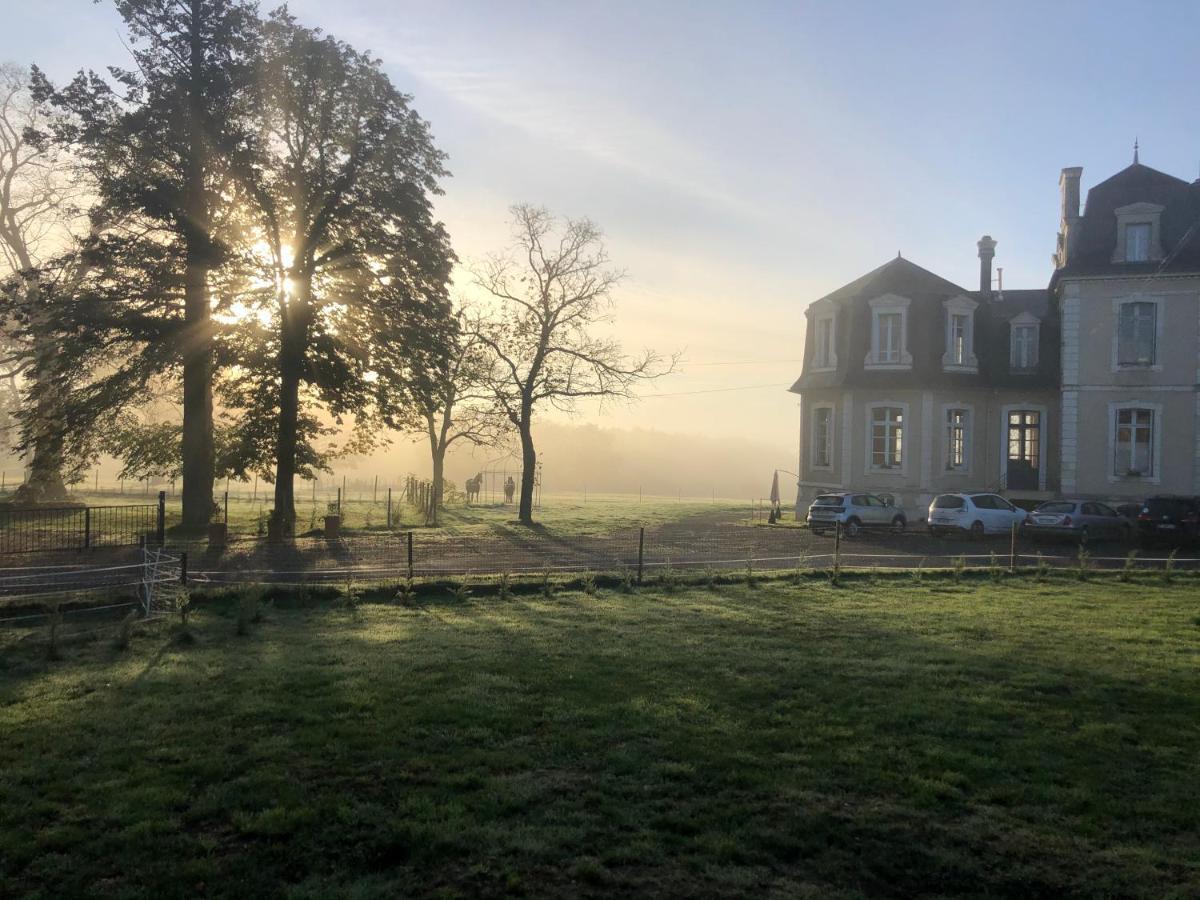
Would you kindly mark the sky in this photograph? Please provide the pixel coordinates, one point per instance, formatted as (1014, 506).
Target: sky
(745, 159)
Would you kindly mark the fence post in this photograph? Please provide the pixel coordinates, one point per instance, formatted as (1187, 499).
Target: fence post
(227, 509)
(183, 568)
(389, 512)
(410, 556)
(375, 490)
(641, 550)
(339, 501)
(87, 527)
(1012, 551)
(160, 526)
(837, 547)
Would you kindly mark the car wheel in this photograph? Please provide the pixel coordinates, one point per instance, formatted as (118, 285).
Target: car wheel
(898, 525)
(977, 530)
(853, 527)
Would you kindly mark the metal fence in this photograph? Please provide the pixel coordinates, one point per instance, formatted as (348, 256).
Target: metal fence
(54, 529)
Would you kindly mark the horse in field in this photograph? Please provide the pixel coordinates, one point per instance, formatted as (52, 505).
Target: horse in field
(474, 485)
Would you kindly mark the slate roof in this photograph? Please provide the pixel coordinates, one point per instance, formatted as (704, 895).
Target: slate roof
(1180, 224)
(926, 334)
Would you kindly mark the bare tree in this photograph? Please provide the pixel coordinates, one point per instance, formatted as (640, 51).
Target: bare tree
(40, 198)
(552, 289)
(457, 404)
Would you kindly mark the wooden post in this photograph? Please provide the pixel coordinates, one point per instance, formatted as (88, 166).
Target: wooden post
(183, 567)
(641, 551)
(1012, 551)
(87, 527)
(389, 511)
(254, 497)
(226, 508)
(160, 525)
(837, 547)
(410, 555)
(375, 490)
(339, 499)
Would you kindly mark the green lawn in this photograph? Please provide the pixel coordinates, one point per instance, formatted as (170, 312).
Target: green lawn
(881, 738)
(565, 513)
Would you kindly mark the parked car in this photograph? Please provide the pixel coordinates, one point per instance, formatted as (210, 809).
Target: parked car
(1130, 510)
(1079, 520)
(976, 514)
(854, 511)
(1169, 518)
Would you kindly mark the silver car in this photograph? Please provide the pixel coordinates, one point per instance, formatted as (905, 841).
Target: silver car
(854, 512)
(1078, 520)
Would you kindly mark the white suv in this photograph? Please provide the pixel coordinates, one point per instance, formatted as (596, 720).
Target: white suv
(853, 512)
(975, 514)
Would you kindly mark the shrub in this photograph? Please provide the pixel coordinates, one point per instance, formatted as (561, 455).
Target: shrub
(1168, 572)
(918, 574)
(261, 523)
(1081, 570)
(710, 578)
(751, 579)
(1041, 569)
(626, 585)
(405, 594)
(351, 595)
(462, 590)
(547, 584)
(1130, 566)
(504, 586)
(994, 570)
(589, 584)
(958, 566)
(668, 579)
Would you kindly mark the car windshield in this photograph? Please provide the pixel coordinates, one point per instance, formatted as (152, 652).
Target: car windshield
(829, 500)
(948, 501)
(1056, 506)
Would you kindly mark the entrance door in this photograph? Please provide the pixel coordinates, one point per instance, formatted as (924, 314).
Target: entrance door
(1024, 450)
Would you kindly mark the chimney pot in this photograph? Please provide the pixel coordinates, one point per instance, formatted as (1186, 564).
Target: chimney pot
(1068, 186)
(987, 251)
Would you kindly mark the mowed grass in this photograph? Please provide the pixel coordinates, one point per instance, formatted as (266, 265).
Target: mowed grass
(567, 514)
(878, 738)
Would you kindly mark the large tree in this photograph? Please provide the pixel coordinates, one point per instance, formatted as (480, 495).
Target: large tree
(552, 291)
(157, 139)
(42, 196)
(341, 179)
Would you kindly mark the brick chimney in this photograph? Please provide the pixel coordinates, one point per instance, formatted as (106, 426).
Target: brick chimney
(987, 251)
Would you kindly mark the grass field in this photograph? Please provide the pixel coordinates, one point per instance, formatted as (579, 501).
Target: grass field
(881, 738)
(566, 513)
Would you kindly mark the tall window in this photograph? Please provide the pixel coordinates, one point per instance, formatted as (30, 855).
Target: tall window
(1134, 445)
(1024, 351)
(890, 337)
(887, 437)
(957, 428)
(823, 356)
(1136, 328)
(960, 324)
(1137, 242)
(822, 436)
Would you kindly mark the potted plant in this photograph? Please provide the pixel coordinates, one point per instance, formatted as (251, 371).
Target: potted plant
(333, 521)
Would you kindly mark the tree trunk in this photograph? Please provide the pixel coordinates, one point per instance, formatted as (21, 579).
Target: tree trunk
(293, 340)
(439, 463)
(528, 474)
(45, 482)
(199, 466)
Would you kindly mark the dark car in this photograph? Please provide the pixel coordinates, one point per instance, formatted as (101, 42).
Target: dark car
(1167, 518)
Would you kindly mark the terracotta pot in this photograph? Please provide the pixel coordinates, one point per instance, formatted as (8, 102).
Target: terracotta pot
(333, 526)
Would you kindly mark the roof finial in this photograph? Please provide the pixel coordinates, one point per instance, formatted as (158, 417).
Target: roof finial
(897, 254)
(1135, 151)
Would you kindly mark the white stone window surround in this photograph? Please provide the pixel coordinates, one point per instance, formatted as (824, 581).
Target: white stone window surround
(829, 437)
(1030, 321)
(895, 304)
(968, 438)
(1115, 407)
(1043, 439)
(1119, 302)
(824, 311)
(1139, 214)
(960, 306)
(906, 436)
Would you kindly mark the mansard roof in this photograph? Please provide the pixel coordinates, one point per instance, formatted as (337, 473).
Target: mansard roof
(928, 293)
(1179, 224)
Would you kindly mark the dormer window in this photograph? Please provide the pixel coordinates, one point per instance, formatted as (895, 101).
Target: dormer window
(889, 334)
(960, 336)
(1138, 234)
(824, 346)
(1137, 241)
(1023, 342)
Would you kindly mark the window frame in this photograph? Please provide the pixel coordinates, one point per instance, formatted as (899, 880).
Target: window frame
(1024, 321)
(829, 440)
(1138, 214)
(901, 468)
(824, 357)
(1117, 407)
(1119, 306)
(889, 304)
(963, 307)
(968, 438)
